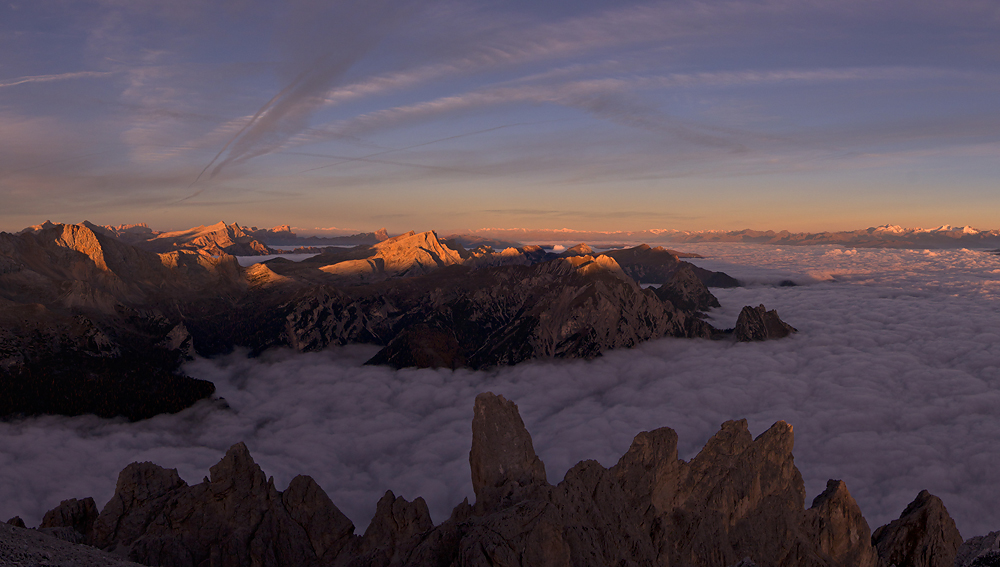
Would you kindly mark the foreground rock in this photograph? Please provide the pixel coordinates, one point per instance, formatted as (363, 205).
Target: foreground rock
(740, 501)
(685, 291)
(980, 551)
(20, 546)
(923, 536)
(73, 520)
(759, 324)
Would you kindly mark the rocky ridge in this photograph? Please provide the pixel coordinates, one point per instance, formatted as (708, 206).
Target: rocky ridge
(740, 501)
(885, 236)
(92, 324)
(759, 324)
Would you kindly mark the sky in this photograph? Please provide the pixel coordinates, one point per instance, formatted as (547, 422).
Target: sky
(892, 384)
(805, 115)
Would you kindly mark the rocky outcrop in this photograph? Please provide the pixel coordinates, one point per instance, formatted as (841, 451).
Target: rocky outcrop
(739, 502)
(328, 529)
(217, 239)
(73, 520)
(458, 316)
(923, 536)
(503, 460)
(282, 235)
(406, 255)
(15, 521)
(422, 346)
(835, 525)
(759, 324)
(686, 291)
(24, 547)
(395, 531)
(109, 324)
(980, 551)
(580, 249)
(234, 517)
(657, 265)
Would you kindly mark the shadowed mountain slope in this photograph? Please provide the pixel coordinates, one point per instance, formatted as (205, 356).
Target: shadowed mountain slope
(91, 323)
(740, 501)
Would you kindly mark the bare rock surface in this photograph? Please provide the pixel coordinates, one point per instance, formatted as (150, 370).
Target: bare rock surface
(328, 529)
(20, 547)
(923, 536)
(980, 551)
(835, 524)
(502, 459)
(686, 291)
(72, 520)
(656, 265)
(219, 238)
(759, 324)
(99, 319)
(739, 502)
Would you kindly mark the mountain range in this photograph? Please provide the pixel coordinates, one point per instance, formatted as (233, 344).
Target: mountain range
(95, 320)
(885, 236)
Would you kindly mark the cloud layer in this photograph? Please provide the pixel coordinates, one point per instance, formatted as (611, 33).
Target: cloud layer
(892, 384)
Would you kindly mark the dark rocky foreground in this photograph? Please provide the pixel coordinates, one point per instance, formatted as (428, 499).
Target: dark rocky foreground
(740, 501)
(95, 320)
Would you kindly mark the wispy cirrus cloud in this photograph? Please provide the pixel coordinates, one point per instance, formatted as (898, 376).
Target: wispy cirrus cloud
(357, 28)
(56, 77)
(610, 99)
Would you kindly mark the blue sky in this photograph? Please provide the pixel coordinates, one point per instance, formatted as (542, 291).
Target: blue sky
(801, 115)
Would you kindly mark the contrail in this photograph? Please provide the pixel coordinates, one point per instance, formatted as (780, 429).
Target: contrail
(343, 33)
(60, 77)
(383, 161)
(389, 151)
(264, 108)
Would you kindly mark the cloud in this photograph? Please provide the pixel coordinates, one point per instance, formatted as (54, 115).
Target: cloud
(58, 77)
(501, 41)
(322, 43)
(891, 384)
(613, 99)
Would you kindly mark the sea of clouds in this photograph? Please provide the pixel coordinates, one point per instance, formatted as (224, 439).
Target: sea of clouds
(892, 384)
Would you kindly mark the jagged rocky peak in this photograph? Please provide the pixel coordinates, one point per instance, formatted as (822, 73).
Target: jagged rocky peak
(140, 494)
(658, 265)
(502, 459)
(587, 264)
(415, 252)
(396, 529)
(328, 529)
(73, 520)
(650, 470)
(759, 324)
(840, 532)
(740, 501)
(410, 254)
(686, 291)
(980, 551)
(156, 519)
(923, 536)
(219, 238)
(580, 249)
